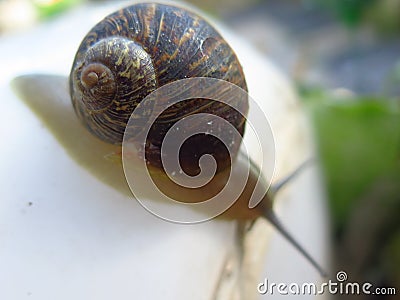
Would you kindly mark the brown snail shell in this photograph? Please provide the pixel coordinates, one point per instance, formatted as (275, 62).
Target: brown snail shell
(137, 49)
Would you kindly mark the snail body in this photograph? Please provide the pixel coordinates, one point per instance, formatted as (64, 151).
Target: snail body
(134, 51)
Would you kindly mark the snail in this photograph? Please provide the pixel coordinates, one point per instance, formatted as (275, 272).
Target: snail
(138, 49)
(143, 47)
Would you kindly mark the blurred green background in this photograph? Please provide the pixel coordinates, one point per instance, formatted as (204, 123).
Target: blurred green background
(344, 57)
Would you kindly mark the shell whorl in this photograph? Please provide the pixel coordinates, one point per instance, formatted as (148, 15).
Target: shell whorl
(109, 82)
(139, 48)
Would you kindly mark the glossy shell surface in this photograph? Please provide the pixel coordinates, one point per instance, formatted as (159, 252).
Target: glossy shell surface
(137, 49)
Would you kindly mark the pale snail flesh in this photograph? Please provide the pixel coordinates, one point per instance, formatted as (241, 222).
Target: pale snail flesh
(140, 48)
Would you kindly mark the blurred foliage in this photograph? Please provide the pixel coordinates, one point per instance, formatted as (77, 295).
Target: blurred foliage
(359, 142)
(359, 145)
(382, 14)
(49, 8)
(350, 11)
(23, 14)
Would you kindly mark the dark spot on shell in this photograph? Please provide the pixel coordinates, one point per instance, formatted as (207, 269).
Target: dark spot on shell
(208, 46)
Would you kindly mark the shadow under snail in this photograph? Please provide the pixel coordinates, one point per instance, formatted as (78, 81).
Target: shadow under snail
(140, 48)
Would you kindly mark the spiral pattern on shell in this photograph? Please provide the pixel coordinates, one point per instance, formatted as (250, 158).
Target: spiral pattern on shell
(138, 49)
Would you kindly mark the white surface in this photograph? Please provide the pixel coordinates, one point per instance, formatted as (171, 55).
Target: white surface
(80, 239)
